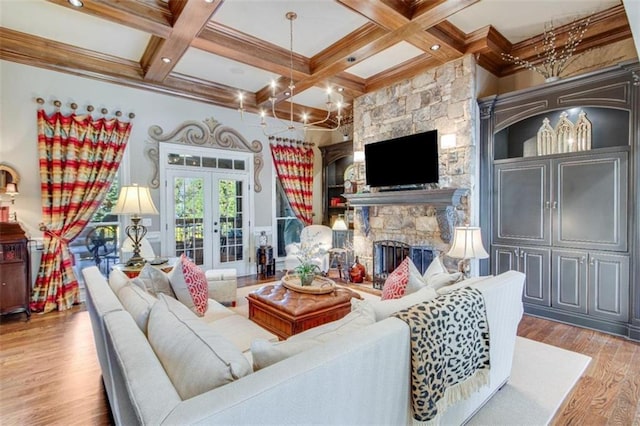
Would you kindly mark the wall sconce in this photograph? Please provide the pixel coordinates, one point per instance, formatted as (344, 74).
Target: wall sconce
(12, 190)
(467, 244)
(448, 142)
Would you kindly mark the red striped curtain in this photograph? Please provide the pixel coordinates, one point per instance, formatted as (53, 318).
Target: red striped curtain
(294, 166)
(79, 157)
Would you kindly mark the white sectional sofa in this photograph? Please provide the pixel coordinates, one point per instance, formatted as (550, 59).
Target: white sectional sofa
(358, 379)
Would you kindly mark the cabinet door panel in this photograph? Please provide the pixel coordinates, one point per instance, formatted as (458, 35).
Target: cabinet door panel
(569, 280)
(13, 286)
(521, 196)
(534, 263)
(609, 286)
(591, 195)
(504, 259)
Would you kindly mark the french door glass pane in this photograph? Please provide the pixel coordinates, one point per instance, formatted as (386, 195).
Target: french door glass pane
(230, 199)
(189, 214)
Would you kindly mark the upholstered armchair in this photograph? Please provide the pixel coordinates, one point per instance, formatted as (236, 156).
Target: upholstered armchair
(310, 235)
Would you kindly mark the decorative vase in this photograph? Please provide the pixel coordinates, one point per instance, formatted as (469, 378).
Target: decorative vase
(357, 272)
(306, 279)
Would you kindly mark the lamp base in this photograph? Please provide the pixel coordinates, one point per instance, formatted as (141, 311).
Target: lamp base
(136, 261)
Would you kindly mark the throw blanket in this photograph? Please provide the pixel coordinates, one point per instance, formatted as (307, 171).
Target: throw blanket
(449, 350)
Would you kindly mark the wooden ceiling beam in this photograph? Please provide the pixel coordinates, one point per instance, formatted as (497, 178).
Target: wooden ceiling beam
(235, 45)
(189, 18)
(150, 17)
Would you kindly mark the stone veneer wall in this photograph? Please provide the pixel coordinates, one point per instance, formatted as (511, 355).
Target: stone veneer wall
(444, 99)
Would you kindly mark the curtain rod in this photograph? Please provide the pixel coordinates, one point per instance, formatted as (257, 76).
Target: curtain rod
(291, 141)
(90, 108)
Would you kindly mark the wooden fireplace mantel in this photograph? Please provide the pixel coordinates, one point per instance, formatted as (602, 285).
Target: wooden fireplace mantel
(439, 198)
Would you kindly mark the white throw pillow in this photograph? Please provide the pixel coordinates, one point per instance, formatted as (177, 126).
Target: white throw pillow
(195, 358)
(437, 276)
(416, 281)
(265, 353)
(137, 302)
(117, 279)
(385, 308)
(155, 281)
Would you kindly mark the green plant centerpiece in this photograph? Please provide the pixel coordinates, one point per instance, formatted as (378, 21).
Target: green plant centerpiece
(307, 270)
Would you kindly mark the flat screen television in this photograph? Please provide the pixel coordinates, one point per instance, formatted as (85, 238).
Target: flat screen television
(404, 162)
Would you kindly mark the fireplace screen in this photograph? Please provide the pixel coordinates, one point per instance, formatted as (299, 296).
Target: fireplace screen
(388, 254)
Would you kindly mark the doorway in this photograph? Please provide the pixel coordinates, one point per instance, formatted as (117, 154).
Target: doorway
(206, 213)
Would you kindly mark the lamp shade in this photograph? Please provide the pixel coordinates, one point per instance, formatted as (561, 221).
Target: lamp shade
(11, 189)
(339, 224)
(134, 200)
(467, 244)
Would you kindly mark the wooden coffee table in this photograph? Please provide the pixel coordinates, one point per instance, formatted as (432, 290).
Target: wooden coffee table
(286, 312)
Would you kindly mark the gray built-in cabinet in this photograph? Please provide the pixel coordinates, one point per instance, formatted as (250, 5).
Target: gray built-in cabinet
(567, 220)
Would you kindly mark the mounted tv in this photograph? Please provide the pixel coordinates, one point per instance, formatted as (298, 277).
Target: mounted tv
(404, 162)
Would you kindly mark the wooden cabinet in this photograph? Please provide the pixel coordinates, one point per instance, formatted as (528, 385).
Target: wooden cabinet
(534, 263)
(15, 275)
(577, 201)
(593, 283)
(336, 160)
(559, 196)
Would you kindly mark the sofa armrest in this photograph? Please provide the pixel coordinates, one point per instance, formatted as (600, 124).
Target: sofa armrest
(340, 382)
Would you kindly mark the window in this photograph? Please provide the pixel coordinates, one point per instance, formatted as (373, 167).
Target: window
(288, 225)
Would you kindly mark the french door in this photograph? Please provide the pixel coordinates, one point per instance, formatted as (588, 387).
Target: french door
(206, 208)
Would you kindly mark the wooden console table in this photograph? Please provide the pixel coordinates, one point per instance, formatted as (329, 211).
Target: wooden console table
(286, 312)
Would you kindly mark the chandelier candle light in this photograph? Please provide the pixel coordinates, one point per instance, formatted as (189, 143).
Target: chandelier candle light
(135, 200)
(290, 126)
(467, 244)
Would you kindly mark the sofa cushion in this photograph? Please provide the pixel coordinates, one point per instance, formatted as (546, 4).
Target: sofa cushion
(137, 302)
(265, 353)
(195, 358)
(384, 308)
(396, 283)
(117, 279)
(189, 283)
(155, 281)
(437, 276)
(240, 331)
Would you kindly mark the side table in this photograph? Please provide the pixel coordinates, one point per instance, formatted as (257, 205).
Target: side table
(265, 262)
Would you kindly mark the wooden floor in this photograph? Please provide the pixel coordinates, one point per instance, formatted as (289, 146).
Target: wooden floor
(49, 373)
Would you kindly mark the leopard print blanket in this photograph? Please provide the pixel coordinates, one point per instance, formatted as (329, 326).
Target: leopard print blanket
(449, 350)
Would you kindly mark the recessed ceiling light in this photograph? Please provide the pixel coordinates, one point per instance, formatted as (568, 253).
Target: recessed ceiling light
(208, 1)
(76, 3)
(340, 89)
(166, 60)
(435, 47)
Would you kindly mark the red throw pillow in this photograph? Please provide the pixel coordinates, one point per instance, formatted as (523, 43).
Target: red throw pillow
(189, 283)
(396, 283)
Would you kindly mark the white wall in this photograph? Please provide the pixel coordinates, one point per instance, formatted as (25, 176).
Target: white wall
(21, 85)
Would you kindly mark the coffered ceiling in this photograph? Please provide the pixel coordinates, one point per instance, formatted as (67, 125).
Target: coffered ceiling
(217, 49)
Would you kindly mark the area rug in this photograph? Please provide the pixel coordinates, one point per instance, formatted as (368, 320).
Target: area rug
(541, 378)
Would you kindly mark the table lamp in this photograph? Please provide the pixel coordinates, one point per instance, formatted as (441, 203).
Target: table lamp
(135, 200)
(467, 244)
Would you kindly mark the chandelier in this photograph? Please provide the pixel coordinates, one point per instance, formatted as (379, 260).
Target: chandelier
(289, 125)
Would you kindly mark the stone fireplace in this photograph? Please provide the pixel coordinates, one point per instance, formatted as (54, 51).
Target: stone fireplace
(443, 98)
